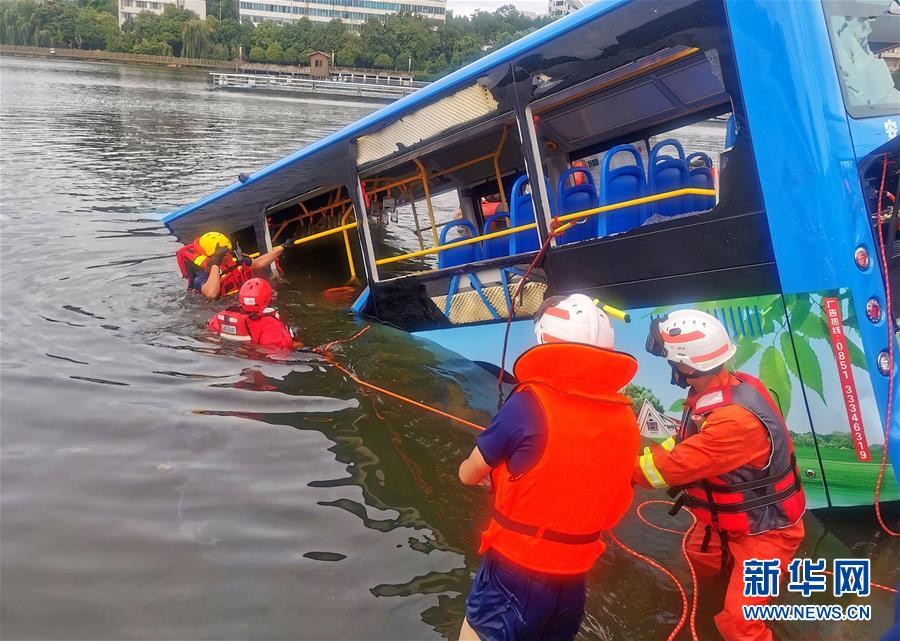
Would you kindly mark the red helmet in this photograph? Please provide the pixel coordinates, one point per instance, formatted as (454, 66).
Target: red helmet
(255, 295)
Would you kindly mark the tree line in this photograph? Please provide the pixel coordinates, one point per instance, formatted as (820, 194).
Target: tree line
(399, 41)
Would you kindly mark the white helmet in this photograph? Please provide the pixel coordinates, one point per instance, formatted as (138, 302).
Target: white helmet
(691, 337)
(574, 319)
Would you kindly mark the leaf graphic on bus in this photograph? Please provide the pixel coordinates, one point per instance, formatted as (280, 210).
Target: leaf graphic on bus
(809, 370)
(773, 373)
(745, 351)
(813, 326)
(677, 406)
(800, 310)
(856, 354)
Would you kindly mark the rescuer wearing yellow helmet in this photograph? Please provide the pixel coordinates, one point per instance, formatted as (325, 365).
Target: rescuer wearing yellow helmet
(213, 268)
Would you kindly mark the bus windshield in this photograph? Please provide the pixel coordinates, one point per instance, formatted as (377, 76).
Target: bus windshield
(861, 32)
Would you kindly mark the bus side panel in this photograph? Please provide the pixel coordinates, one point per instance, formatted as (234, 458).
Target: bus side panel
(808, 168)
(825, 341)
(758, 325)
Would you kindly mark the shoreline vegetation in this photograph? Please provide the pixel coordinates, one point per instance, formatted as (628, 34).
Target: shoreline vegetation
(89, 30)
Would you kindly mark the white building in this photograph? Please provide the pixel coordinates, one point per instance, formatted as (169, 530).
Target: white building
(351, 12)
(130, 8)
(564, 7)
(654, 424)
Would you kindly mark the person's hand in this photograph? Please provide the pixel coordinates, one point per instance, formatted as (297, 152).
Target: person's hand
(485, 482)
(289, 243)
(218, 255)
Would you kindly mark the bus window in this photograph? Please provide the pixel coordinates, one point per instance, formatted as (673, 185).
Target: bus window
(860, 29)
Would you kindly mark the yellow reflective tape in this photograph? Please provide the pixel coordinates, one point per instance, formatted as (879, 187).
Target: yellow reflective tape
(669, 444)
(650, 471)
(199, 260)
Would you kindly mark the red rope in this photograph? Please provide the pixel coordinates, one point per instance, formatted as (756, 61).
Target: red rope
(556, 228)
(672, 577)
(890, 328)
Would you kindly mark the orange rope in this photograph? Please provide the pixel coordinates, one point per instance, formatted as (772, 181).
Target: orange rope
(672, 577)
(326, 352)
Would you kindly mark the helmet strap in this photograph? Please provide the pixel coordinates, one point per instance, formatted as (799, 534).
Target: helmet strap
(683, 380)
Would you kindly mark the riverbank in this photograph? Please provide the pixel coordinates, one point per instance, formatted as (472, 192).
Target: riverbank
(129, 58)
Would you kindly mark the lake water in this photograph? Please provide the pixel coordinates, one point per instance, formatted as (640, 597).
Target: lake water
(155, 486)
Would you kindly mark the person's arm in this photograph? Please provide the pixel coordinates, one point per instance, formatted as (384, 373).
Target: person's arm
(261, 262)
(212, 287)
(730, 438)
(474, 469)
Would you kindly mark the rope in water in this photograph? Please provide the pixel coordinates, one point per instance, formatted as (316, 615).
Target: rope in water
(686, 609)
(890, 326)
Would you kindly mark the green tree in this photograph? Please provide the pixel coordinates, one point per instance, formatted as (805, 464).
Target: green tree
(257, 54)
(223, 9)
(197, 38)
(227, 33)
(274, 53)
(637, 394)
(382, 61)
(291, 56)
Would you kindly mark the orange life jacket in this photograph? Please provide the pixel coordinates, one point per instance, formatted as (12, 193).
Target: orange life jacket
(550, 518)
(749, 500)
(235, 324)
(192, 260)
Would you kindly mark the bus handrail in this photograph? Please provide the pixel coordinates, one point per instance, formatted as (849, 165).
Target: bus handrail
(690, 191)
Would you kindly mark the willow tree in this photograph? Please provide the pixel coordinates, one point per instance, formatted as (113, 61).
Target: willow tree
(196, 36)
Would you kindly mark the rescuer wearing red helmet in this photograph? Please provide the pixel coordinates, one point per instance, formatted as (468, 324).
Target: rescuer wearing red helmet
(733, 460)
(213, 268)
(252, 320)
(559, 457)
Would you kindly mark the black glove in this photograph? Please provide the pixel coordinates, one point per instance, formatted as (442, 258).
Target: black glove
(289, 243)
(246, 261)
(217, 256)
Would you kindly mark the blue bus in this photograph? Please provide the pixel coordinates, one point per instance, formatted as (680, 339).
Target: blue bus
(780, 232)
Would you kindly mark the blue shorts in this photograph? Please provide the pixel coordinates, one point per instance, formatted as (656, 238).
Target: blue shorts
(510, 603)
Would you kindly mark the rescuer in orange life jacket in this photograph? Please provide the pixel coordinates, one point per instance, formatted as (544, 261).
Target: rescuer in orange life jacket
(252, 320)
(733, 459)
(214, 269)
(559, 457)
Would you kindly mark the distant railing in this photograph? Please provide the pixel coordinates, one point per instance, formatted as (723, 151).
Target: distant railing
(378, 76)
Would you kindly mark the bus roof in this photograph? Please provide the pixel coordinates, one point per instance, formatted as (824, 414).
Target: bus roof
(242, 203)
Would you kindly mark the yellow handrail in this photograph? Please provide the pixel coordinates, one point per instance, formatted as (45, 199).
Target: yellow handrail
(347, 244)
(321, 234)
(691, 191)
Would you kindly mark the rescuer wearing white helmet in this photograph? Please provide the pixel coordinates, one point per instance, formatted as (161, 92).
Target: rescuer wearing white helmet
(559, 455)
(732, 460)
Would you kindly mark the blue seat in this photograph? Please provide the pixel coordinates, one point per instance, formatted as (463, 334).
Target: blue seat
(620, 184)
(700, 178)
(458, 255)
(667, 173)
(522, 213)
(577, 198)
(495, 247)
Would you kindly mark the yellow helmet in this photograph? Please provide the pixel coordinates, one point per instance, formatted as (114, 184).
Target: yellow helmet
(211, 240)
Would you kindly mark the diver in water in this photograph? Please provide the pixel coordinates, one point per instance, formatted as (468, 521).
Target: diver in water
(252, 320)
(558, 456)
(214, 269)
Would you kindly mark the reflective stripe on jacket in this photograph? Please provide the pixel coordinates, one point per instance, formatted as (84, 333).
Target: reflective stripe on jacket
(755, 497)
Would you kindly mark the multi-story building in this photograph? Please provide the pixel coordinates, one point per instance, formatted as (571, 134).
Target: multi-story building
(564, 7)
(351, 12)
(130, 8)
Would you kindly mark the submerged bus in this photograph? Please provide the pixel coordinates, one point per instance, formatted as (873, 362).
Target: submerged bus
(780, 234)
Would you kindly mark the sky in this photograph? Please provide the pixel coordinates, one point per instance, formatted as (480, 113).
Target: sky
(467, 7)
